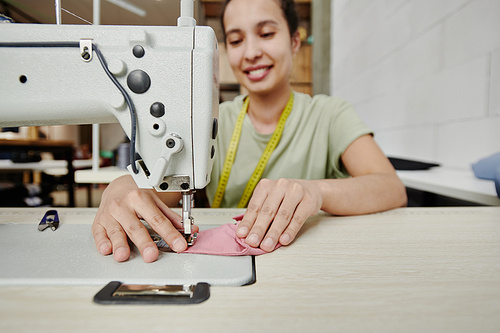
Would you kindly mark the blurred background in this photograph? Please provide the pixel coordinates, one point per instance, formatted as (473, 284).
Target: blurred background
(423, 74)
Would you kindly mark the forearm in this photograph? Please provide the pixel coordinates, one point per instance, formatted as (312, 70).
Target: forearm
(363, 194)
(279, 208)
(171, 199)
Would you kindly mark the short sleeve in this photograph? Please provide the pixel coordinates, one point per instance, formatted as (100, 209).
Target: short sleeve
(345, 127)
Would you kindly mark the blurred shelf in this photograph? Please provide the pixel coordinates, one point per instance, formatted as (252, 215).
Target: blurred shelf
(103, 175)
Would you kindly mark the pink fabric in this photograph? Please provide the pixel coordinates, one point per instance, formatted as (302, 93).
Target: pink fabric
(224, 242)
(238, 217)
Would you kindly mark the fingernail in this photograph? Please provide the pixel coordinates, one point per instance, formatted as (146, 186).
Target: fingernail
(242, 232)
(268, 243)
(285, 239)
(178, 245)
(104, 249)
(252, 239)
(120, 254)
(149, 254)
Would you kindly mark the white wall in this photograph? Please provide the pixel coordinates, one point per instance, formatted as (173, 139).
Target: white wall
(424, 74)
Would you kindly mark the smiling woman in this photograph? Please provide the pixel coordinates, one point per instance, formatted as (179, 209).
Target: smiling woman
(261, 47)
(282, 154)
(323, 137)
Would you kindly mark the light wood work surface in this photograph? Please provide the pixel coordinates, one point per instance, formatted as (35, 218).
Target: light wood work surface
(406, 270)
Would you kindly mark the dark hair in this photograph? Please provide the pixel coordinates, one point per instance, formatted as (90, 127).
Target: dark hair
(287, 7)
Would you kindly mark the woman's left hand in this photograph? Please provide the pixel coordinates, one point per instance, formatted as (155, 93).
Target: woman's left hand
(277, 211)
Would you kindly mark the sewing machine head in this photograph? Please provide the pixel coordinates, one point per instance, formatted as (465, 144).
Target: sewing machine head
(52, 75)
(160, 83)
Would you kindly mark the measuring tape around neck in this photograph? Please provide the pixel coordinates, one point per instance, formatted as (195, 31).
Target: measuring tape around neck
(261, 165)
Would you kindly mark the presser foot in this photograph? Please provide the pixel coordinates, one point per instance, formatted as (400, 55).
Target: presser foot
(163, 246)
(191, 238)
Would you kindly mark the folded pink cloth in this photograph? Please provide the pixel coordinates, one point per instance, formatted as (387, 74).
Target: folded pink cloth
(238, 217)
(224, 242)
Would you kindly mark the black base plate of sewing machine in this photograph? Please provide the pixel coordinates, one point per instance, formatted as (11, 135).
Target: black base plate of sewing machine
(152, 294)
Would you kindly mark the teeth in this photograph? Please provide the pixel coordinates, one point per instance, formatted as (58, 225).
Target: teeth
(258, 71)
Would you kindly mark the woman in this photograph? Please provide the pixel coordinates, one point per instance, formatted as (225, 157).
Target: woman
(326, 157)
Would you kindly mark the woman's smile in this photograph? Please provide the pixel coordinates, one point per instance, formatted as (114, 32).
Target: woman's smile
(257, 73)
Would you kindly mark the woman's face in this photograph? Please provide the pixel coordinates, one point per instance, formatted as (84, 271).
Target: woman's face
(259, 47)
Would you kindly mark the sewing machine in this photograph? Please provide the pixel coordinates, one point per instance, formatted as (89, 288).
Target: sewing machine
(160, 83)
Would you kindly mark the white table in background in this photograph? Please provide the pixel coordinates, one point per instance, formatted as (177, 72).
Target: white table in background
(456, 183)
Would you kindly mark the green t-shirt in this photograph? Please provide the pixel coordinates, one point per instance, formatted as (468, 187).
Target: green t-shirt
(317, 132)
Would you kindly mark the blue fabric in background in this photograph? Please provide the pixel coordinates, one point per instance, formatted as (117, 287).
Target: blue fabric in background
(489, 168)
(497, 181)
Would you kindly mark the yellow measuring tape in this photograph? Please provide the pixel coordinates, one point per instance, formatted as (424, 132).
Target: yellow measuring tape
(261, 165)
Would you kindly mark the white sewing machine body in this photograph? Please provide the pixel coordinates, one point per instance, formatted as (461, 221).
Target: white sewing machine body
(176, 98)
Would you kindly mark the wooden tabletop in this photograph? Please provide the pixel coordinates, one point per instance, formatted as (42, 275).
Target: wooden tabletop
(406, 270)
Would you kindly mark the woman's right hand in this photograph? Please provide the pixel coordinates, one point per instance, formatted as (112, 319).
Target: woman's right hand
(122, 207)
